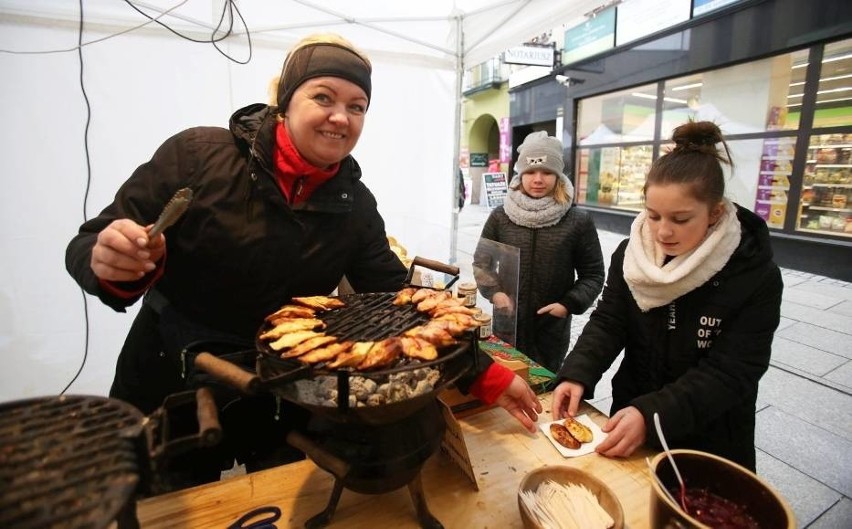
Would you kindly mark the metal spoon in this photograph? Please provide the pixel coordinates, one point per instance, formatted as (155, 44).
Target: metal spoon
(671, 460)
(659, 481)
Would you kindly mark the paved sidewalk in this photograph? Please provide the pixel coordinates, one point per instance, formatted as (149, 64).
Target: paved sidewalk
(804, 417)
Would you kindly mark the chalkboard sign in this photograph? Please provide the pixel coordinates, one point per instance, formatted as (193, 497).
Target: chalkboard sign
(479, 159)
(496, 188)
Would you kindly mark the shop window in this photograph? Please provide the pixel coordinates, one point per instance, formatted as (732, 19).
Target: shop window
(834, 94)
(612, 176)
(618, 117)
(741, 99)
(826, 203)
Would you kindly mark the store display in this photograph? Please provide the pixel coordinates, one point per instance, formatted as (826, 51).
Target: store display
(776, 166)
(826, 200)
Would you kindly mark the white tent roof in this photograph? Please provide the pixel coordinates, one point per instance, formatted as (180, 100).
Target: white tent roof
(65, 151)
(425, 29)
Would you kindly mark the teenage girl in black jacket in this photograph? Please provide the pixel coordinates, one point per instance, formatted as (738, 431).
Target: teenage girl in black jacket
(693, 298)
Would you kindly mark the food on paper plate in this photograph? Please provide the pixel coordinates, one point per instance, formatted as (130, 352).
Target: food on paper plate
(562, 436)
(578, 430)
(319, 302)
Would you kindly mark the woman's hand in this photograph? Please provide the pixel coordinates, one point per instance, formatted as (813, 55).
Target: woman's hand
(625, 433)
(554, 309)
(502, 301)
(520, 401)
(124, 253)
(566, 399)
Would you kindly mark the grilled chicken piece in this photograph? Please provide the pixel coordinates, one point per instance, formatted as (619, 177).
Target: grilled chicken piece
(403, 297)
(308, 345)
(291, 311)
(435, 336)
(453, 327)
(432, 301)
(382, 354)
(287, 325)
(353, 356)
(578, 430)
(563, 436)
(319, 302)
(293, 339)
(418, 348)
(422, 294)
(324, 354)
(457, 317)
(458, 309)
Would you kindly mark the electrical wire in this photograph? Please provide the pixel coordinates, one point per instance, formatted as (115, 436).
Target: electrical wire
(229, 7)
(79, 45)
(86, 194)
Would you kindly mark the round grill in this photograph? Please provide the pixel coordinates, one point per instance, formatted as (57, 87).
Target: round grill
(67, 462)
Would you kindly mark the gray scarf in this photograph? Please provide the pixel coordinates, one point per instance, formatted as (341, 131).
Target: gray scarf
(530, 212)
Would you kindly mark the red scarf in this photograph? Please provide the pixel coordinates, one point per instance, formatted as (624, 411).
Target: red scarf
(296, 177)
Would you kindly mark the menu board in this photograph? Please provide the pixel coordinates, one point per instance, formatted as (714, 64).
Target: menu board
(595, 35)
(773, 182)
(496, 188)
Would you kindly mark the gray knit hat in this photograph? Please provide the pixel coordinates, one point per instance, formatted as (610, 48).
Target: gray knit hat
(540, 151)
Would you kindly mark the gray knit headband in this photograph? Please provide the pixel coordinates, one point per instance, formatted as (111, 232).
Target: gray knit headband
(320, 60)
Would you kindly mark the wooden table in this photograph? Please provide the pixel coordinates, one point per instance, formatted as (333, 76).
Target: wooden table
(501, 452)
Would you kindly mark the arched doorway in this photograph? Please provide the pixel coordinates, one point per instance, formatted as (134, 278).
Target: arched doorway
(484, 145)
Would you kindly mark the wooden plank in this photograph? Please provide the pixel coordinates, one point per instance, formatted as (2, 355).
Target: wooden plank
(501, 453)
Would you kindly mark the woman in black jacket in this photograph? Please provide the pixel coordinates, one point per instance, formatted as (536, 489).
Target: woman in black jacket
(561, 265)
(278, 210)
(693, 298)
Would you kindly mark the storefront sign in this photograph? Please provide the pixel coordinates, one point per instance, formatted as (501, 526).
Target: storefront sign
(496, 188)
(639, 18)
(595, 35)
(479, 159)
(699, 7)
(529, 55)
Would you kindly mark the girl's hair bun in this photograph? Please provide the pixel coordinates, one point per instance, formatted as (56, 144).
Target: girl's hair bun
(697, 135)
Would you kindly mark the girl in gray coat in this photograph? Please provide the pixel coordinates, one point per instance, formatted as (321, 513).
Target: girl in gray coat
(561, 266)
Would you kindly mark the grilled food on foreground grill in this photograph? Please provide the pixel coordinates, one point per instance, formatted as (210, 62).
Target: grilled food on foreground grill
(296, 331)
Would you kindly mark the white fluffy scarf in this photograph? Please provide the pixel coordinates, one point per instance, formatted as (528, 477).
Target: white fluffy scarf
(654, 284)
(530, 212)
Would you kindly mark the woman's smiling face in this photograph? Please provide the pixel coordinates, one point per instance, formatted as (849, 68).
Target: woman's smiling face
(678, 221)
(325, 118)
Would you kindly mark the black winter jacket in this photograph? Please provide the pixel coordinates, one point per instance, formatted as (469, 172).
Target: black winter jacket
(558, 264)
(240, 250)
(696, 361)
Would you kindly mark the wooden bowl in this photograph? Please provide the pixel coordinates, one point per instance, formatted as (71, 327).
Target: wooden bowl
(722, 477)
(564, 475)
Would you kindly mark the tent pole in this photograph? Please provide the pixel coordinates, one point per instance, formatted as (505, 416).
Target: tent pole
(454, 224)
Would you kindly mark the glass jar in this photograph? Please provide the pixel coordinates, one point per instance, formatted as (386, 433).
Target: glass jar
(484, 321)
(468, 292)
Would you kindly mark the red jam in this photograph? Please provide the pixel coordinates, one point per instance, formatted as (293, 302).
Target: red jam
(715, 511)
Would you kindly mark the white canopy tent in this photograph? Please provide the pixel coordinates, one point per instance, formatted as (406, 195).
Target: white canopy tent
(65, 151)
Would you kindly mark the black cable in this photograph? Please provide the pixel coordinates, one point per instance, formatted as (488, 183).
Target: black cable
(88, 187)
(228, 7)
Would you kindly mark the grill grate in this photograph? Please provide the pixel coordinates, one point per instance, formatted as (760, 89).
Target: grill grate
(67, 462)
(371, 317)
